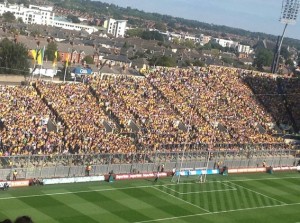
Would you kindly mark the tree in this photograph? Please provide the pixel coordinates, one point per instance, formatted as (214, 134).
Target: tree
(13, 58)
(50, 51)
(88, 59)
(188, 43)
(134, 33)
(8, 17)
(164, 61)
(263, 57)
(198, 63)
(20, 20)
(285, 53)
(73, 19)
(160, 26)
(152, 35)
(289, 62)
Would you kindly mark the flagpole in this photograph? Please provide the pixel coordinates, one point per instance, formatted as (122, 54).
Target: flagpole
(65, 73)
(54, 64)
(66, 66)
(42, 62)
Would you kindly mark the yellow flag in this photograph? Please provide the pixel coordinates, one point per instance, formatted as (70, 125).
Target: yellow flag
(67, 60)
(55, 59)
(40, 56)
(33, 53)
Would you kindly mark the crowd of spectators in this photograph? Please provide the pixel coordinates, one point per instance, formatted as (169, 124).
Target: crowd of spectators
(265, 89)
(291, 91)
(83, 117)
(24, 119)
(171, 108)
(135, 100)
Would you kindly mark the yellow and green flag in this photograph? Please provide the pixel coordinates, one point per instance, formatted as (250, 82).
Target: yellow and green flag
(40, 56)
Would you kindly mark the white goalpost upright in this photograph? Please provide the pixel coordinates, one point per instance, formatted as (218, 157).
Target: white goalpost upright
(197, 174)
(183, 153)
(200, 172)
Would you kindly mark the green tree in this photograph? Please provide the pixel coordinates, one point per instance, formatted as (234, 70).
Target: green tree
(188, 43)
(8, 17)
(176, 41)
(263, 57)
(134, 33)
(289, 62)
(13, 58)
(164, 61)
(198, 63)
(160, 26)
(88, 59)
(50, 51)
(20, 20)
(152, 35)
(285, 53)
(73, 19)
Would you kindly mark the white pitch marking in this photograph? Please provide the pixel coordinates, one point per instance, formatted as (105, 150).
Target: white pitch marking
(216, 212)
(124, 188)
(182, 200)
(253, 191)
(206, 191)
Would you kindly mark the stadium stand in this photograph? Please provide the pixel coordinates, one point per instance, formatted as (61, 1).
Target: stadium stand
(166, 110)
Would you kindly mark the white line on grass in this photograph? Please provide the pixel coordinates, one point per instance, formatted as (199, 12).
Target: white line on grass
(206, 191)
(227, 185)
(216, 212)
(268, 178)
(182, 200)
(73, 192)
(253, 191)
(136, 187)
(171, 189)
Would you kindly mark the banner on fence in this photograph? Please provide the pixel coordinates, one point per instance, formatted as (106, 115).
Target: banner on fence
(138, 176)
(17, 183)
(73, 180)
(197, 172)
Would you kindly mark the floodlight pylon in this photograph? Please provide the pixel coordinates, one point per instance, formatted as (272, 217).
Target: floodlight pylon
(289, 14)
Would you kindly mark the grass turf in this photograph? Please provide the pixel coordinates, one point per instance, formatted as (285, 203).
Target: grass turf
(234, 198)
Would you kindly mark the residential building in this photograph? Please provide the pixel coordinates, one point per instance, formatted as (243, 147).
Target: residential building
(225, 43)
(116, 28)
(41, 15)
(74, 26)
(204, 39)
(243, 49)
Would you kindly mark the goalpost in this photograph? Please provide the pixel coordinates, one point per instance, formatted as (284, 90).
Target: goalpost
(190, 173)
(197, 174)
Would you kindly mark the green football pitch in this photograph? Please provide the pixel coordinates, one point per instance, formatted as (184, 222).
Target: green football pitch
(267, 198)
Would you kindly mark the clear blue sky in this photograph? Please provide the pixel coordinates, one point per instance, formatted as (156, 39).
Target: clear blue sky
(253, 15)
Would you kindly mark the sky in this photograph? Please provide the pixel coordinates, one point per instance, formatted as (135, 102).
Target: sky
(253, 15)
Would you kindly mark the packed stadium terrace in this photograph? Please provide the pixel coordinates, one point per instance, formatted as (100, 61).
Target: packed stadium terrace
(166, 110)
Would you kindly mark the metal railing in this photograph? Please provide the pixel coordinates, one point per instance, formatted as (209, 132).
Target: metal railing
(68, 165)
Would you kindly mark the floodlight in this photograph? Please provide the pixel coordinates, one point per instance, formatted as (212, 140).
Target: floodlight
(289, 11)
(289, 14)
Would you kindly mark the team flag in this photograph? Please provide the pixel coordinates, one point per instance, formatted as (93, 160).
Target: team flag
(55, 58)
(40, 56)
(67, 60)
(33, 53)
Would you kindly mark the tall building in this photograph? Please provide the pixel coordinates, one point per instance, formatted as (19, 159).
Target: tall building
(41, 15)
(116, 27)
